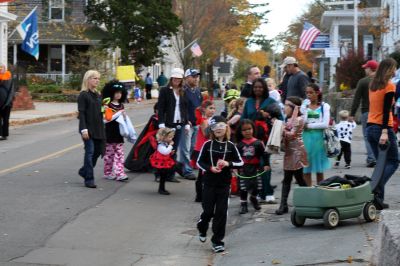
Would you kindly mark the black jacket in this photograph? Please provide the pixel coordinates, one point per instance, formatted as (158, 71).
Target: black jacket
(205, 162)
(6, 93)
(246, 90)
(90, 115)
(166, 107)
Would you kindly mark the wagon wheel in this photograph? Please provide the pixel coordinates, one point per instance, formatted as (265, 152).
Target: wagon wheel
(369, 212)
(297, 221)
(331, 218)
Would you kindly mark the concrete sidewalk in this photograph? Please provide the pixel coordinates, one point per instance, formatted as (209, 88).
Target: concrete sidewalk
(265, 238)
(52, 110)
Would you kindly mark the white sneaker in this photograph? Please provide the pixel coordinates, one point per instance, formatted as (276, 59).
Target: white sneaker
(270, 199)
(109, 177)
(122, 178)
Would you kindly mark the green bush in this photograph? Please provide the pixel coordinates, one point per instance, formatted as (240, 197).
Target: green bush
(75, 82)
(44, 88)
(53, 98)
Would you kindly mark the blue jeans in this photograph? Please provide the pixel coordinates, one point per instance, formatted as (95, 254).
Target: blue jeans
(370, 153)
(93, 150)
(392, 159)
(186, 146)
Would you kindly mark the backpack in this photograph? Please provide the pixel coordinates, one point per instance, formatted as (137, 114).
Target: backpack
(331, 140)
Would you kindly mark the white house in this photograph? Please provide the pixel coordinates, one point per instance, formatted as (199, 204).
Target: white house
(166, 63)
(391, 37)
(5, 17)
(339, 19)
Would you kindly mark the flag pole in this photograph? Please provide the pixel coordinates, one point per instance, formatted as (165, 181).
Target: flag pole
(181, 51)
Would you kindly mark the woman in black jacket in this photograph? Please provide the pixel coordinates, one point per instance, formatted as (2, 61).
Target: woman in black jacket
(172, 108)
(91, 125)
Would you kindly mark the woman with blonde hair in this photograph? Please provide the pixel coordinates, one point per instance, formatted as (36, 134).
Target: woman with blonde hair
(91, 126)
(380, 132)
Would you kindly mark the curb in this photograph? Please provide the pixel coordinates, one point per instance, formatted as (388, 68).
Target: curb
(387, 243)
(44, 118)
(30, 121)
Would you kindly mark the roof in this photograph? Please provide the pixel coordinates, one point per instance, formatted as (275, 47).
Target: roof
(65, 33)
(5, 16)
(346, 17)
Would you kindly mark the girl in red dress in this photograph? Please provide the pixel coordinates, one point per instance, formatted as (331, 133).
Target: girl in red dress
(162, 159)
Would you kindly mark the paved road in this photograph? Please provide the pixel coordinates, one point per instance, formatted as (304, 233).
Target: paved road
(48, 218)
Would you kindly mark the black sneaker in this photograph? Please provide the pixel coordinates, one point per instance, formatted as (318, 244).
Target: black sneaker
(90, 184)
(217, 248)
(163, 192)
(190, 177)
(347, 166)
(173, 180)
(371, 164)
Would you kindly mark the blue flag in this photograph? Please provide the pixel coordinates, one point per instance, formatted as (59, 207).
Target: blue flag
(28, 29)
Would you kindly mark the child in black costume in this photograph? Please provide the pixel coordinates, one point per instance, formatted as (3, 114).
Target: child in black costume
(217, 157)
(254, 156)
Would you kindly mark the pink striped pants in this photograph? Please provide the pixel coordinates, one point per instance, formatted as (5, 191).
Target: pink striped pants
(114, 159)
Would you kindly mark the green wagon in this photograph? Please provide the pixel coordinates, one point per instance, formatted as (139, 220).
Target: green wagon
(332, 205)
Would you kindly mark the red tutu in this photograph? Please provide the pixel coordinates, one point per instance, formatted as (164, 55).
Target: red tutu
(161, 161)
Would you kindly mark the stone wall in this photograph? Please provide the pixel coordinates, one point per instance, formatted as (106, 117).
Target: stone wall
(338, 103)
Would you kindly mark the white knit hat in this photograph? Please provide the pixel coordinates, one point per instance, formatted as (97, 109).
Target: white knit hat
(177, 73)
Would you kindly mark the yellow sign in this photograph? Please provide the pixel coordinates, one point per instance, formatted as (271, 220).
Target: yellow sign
(126, 74)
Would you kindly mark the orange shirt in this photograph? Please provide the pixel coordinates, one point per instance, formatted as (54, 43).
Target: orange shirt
(5, 76)
(376, 99)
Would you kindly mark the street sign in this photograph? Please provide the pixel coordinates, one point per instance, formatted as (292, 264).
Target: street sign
(321, 42)
(332, 52)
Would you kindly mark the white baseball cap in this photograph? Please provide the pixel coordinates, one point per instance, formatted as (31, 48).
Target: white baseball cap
(288, 61)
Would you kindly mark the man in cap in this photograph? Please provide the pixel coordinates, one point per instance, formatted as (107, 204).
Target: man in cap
(298, 80)
(253, 73)
(361, 95)
(194, 99)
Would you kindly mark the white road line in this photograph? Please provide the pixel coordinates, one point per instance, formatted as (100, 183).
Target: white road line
(49, 156)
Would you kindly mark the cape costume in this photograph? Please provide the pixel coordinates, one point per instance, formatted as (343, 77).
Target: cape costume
(145, 145)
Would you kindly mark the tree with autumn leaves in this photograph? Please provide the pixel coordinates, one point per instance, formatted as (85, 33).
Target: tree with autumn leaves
(224, 26)
(290, 39)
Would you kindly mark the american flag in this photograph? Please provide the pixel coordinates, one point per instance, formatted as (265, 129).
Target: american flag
(196, 50)
(310, 32)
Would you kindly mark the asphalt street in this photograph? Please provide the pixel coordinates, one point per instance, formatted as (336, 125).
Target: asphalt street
(47, 217)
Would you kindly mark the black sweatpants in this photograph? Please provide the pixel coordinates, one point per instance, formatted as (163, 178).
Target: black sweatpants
(346, 150)
(148, 88)
(199, 186)
(215, 205)
(4, 120)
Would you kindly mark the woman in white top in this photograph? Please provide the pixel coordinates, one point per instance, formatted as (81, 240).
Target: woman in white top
(316, 116)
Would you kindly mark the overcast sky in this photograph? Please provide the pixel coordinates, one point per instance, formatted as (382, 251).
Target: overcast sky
(282, 13)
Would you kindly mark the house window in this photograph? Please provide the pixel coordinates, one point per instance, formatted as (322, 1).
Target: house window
(56, 9)
(55, 58)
